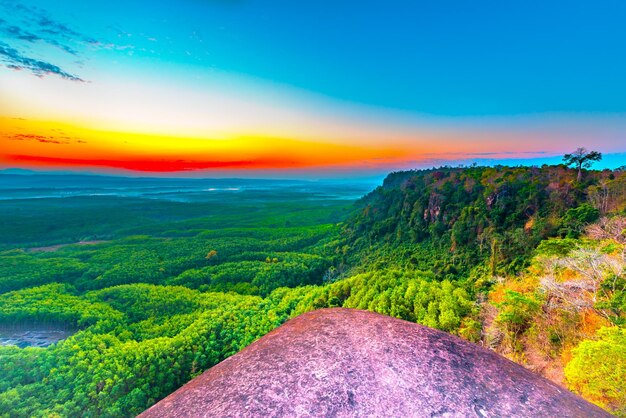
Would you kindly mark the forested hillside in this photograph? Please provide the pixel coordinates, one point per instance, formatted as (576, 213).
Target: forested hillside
(539, 251)
(469, 215)
(529, 261)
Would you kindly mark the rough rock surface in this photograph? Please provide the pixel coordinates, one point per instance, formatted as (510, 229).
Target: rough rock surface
(345, 363)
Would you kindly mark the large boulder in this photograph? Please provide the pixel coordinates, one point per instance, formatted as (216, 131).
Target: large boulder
(345, 363)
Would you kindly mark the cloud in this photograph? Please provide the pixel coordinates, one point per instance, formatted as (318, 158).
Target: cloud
(32, 25)
(63, 140)
(23, 27)
(484, 154)
(17, 33)
(16, 61)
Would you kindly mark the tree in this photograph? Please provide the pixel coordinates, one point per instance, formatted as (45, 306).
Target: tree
(576, 219)
(581, 158)
(597, 370)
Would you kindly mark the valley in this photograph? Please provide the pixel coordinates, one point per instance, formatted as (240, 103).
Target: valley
(167, 288)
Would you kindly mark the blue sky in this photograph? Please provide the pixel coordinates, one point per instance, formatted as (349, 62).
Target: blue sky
(342, 71)
(444, 57)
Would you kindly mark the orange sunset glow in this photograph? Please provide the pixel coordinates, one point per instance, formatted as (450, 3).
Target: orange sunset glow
(49, 144)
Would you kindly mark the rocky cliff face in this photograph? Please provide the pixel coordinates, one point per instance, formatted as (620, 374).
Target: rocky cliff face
(345, 363)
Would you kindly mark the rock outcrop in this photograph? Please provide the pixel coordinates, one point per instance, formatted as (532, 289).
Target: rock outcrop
(352, 363)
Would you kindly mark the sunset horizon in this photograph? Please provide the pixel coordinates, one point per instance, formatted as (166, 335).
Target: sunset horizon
(94, 88)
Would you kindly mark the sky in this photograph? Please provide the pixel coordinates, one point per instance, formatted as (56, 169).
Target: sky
(323, 88)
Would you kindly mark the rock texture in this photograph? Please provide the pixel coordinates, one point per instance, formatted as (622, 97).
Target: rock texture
(351, 363)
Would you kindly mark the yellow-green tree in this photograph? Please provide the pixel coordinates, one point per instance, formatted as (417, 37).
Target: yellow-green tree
(598, 370)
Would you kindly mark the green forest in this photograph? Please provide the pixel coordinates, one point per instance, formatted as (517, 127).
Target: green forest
(529, 261)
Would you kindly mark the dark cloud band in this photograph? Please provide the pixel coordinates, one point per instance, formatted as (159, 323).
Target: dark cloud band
(15, 60)
(30, 25)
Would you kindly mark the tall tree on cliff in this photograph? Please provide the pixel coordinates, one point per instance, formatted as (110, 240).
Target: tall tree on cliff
(581, 158)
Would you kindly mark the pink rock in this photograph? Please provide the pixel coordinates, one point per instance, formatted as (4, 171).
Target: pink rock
(352, 363)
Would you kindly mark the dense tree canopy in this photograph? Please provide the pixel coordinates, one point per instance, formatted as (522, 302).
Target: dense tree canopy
(155, 301)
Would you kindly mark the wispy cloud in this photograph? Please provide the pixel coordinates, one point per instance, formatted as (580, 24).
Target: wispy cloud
(60, 140)
(55, 28)
(485, 154)
(17, 33)
(33, 25)
(14, 60)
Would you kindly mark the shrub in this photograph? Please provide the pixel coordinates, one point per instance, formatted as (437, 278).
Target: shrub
(597, 370)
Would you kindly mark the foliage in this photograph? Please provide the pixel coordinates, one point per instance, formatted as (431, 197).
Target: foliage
(171, 288)
(576, 219)
(598, 370)
(556, 247)
(413, 296)
(52, 304)
(516, 311)
(574, 288)
(124, 363)
(466, 215)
